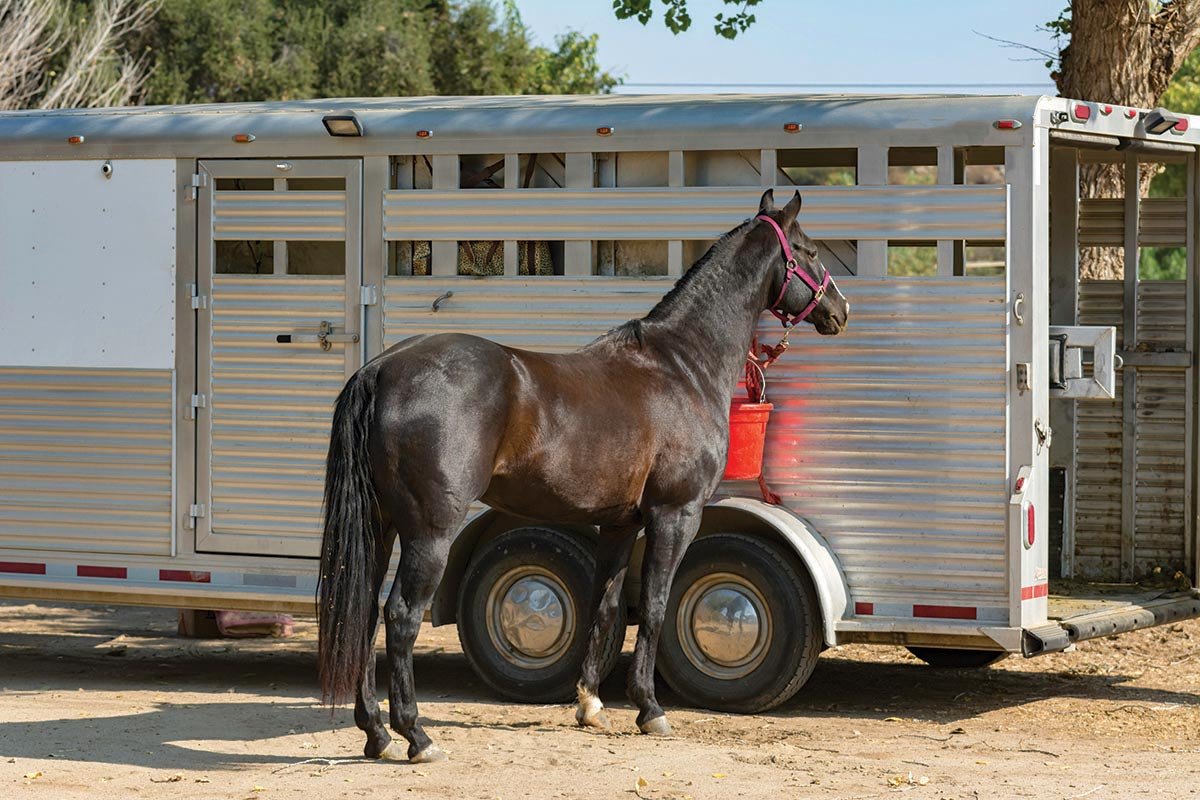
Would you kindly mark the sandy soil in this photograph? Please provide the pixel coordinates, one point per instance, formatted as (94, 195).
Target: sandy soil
(109, 702)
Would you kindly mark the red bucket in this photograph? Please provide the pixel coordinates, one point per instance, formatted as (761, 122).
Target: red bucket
(747, 433)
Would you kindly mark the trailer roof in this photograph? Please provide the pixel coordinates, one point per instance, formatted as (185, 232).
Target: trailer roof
(536, 116)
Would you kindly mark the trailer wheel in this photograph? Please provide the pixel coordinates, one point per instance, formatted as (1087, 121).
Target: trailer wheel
(743, 628)
(522, 616)
(950, 658)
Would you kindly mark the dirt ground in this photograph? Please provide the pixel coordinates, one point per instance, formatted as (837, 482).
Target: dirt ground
(101, 701)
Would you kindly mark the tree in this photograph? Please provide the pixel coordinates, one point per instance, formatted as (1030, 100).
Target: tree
(677, 19)
(57, 55)
(252, 50)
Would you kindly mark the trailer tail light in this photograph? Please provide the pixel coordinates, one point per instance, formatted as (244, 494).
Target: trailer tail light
(243, 138)
(1030, 527)
(1130, 113)
(74, 140)
(1081, 112)
(1181, 126)
(1006, 124)
(792, 127)
(1106, 110)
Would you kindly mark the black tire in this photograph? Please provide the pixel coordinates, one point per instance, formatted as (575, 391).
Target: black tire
(499, 663)
(950, 658)
(780, 659)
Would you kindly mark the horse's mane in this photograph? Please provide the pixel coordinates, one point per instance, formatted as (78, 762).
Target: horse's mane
(631, 332)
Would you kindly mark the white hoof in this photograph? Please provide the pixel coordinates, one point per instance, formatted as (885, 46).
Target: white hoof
(393, 752)
(656, 727)
(430, 754)
(590, 712)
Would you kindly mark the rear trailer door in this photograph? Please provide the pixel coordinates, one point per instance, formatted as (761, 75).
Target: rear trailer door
(279, 331)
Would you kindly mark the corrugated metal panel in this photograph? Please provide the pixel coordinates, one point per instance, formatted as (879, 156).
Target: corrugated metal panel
(830, 212)
(1160, 458)
(1163, 222)
(85, 460)
(270, 407)
(890, 437)
(255, 216)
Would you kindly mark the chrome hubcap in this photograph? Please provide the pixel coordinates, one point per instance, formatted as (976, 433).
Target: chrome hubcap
(724, 625)
(530, 617)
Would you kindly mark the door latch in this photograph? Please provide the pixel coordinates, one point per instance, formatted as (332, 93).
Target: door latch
(1044, 433)
(324, 335)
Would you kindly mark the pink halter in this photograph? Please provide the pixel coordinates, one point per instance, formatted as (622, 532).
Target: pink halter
(793, 271)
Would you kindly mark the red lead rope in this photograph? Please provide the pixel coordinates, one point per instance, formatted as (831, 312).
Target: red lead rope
(758, 359)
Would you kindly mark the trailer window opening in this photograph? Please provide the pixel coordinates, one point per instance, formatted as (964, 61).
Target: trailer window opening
(909, 260)
(722, 168)
(244, 258)
(316, 258)
(817, 167)
(632, 258)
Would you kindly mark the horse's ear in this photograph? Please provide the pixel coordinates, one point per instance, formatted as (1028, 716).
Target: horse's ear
(793, 207)
(767, 204)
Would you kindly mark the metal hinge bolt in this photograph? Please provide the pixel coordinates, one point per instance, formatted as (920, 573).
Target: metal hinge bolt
(369, 295)
(199, 301)
(195, 512)
(198, 401)
(199, 181)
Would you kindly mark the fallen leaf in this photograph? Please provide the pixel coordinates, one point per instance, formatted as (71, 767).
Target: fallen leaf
(958, 731)
(203, 780)
(171, 779)
(892, 719)
(719, 775)
(668, 774)
(31, 775)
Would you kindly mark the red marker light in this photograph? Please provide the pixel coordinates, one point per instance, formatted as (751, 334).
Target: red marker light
(604, 130)
(243, 138)
(1130, 113)
(1006, 124)
(791, 127)
(1181, 126)
(1106, 110)
(1020, 484)
(1082, 112)
(424, 134)
(1030, 533)
(74, 140)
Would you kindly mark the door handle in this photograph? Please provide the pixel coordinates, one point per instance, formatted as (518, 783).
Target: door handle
(323, 335)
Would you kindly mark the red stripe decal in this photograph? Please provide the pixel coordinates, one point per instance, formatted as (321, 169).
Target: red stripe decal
(864, 609)
(101, 572)
(944, 612)
(1035, 591)
(22, 567)
(186, 576)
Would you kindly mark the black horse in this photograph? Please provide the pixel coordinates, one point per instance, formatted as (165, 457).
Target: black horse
(627, 433)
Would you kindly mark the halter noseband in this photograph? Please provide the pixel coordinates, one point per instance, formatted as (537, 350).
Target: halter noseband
(793, 270)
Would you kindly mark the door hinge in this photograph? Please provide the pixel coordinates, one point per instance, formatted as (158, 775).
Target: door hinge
(198, 401)
(199, 301)
(368, 295)
(195, 512)
(199, 181)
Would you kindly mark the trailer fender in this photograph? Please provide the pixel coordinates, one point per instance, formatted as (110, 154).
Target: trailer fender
(802, 537)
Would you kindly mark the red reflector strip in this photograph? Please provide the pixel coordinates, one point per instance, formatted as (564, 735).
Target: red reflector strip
(101, 572)
(864, 609)
(944, 612)
(187, 576)
(22, 567)
(1035, 591)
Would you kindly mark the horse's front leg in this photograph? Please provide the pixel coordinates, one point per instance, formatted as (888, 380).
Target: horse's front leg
(669, 531)
(612, 560)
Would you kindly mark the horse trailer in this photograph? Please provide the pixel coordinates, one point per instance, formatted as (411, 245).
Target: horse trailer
(184, 291)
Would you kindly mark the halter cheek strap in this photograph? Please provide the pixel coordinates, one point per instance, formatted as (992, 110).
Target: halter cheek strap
(794, 271)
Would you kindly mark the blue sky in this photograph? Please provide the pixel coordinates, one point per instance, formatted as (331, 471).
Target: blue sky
(870, 43)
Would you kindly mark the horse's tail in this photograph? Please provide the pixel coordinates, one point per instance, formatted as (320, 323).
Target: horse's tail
(346, 584)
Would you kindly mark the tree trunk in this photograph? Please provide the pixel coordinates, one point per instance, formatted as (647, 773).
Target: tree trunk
(1124, 52)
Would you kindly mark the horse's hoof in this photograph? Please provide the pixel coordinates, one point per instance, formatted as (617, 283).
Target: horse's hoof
(656, 727)
(590, 713)
(393, 752)
(430, 754)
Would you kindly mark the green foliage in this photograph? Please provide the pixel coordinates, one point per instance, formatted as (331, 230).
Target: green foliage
(677, 19)
(252, 50)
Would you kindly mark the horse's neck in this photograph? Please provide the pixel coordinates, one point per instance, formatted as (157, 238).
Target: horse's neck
(708, 325)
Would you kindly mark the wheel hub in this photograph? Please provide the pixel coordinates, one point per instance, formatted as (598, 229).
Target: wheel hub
(530, 617)
(724, 625)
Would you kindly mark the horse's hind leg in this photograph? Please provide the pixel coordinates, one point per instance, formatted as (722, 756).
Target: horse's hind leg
(612, 561)
(422, 562)
(366, 706)
(668, 533)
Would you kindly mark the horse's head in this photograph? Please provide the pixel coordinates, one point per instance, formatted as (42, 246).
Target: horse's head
(800, 289)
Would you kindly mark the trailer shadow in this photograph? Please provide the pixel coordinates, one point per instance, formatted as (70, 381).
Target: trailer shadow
(202, 735)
